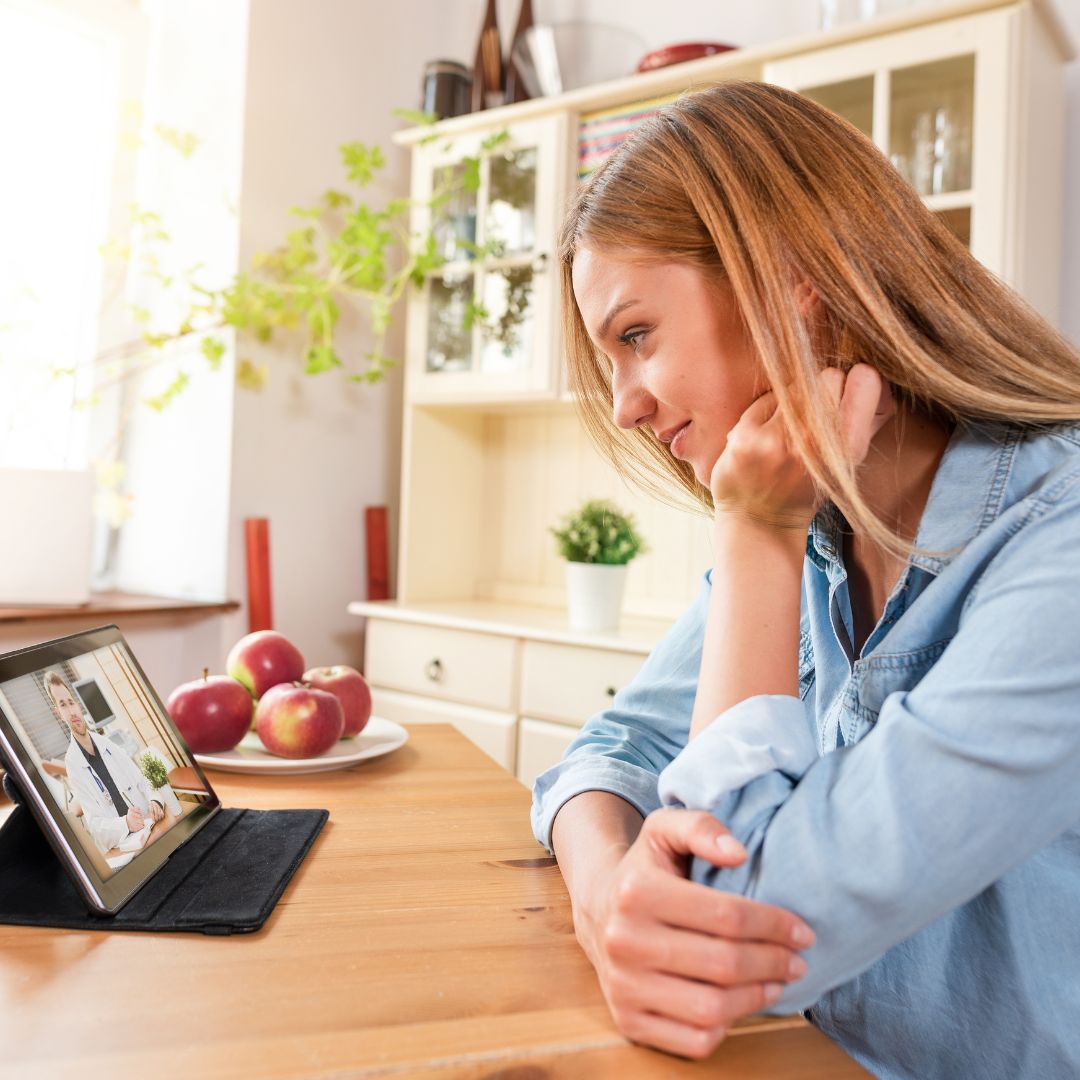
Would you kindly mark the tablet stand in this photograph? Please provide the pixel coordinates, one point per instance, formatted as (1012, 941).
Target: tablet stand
(225, 880)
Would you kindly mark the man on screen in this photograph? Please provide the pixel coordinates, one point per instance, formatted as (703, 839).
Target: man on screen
(115, 796)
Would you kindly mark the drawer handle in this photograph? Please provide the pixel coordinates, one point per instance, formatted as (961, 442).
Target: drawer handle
(611, 691)
(434, 670)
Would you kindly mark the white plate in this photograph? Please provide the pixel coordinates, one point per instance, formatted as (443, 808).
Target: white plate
(378, 737)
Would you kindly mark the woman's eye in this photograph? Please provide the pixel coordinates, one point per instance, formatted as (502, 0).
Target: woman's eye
(632, 338)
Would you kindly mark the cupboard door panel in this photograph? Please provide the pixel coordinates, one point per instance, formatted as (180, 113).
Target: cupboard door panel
(494, 733)
(540, 745)
(459, 665)
(564, 682)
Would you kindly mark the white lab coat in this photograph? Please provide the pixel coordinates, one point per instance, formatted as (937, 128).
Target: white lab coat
(99, 812)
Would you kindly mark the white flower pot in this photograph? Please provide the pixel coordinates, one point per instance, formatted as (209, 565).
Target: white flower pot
(594, 593)
(168, 797)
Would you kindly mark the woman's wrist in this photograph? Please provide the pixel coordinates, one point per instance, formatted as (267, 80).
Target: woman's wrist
(784, 535)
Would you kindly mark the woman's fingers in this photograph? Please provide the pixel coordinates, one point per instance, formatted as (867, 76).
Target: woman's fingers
(669, 1035)
(708, 959)
(864, 403)
(696, 1006)
(760, 409)
(681, 903)
(693, 832)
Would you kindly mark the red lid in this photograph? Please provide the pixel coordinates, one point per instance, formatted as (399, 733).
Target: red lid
(676, 54)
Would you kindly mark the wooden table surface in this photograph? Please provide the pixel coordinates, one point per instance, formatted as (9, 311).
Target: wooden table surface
(425, 935)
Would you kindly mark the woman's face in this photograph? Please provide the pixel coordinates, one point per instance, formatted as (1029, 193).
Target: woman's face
(682, 362)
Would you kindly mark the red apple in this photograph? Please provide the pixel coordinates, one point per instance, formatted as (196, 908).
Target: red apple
(212, 713)
(295, 721)
(350, 688)
(264, 659)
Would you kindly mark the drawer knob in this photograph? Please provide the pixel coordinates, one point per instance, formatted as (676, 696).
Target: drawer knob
(434, 670)
(611, 691)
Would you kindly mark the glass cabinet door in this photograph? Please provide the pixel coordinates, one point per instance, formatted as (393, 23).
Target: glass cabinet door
(488, 313)
(914, 92)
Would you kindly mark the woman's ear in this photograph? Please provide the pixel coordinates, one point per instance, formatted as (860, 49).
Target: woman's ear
(806, 296)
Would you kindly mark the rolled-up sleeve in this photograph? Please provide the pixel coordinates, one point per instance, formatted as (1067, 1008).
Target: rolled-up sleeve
(623, 749)
(744, 766)
(963, 777)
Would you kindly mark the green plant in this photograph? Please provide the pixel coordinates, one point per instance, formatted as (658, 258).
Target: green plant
(598, 532)
(153, 768)
(351, 249)
(348, 250)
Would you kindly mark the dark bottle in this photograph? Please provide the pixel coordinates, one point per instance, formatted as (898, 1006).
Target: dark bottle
(488, 84)
(515, 85)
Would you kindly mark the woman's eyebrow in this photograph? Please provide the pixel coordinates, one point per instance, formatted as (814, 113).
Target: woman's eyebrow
(616, 310)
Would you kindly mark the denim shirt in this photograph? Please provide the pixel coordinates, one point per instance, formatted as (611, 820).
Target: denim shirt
(919, 805)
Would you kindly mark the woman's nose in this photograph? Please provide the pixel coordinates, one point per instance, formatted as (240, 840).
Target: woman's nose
(632, 403)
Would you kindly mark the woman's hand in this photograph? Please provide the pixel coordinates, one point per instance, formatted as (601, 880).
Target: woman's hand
(680, 962)
(759, 476)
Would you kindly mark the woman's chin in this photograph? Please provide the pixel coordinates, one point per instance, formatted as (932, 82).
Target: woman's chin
(702, 473)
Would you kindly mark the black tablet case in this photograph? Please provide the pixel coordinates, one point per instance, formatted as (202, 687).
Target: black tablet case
(225, 880)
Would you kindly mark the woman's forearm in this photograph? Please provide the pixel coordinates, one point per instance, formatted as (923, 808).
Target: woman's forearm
(590, 835)
(751, 643)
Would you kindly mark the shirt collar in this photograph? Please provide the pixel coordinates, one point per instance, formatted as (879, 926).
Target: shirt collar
(968, 491)
(967, 494)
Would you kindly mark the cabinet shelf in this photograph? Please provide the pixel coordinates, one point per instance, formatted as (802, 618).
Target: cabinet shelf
(634, 635)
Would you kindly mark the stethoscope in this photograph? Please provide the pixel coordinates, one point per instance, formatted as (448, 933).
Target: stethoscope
(97, 779)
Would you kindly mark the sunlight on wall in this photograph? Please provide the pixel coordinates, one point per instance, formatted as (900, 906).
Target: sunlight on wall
(59, 85)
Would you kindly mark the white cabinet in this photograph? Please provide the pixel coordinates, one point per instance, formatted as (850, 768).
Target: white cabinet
(484, 326)
(520, 691)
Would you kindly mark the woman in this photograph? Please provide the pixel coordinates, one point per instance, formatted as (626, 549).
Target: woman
(878, 690)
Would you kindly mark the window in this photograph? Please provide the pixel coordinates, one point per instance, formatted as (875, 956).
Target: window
(110, 107)
(61, 77)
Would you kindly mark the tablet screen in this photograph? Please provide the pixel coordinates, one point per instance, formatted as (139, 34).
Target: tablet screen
(94, 740)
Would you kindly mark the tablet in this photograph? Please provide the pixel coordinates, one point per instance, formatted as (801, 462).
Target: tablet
(99, 763)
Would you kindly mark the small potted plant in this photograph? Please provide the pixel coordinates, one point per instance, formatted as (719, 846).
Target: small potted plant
(153, 767)
(597, 541)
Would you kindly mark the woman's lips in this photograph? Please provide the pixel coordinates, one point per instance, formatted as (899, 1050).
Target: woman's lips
(678, 439)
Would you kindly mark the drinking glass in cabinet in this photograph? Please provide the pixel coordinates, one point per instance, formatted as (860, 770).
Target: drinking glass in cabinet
(454, 224)
(930, 129)
(511, 213)
(449, 337)
(507, 330)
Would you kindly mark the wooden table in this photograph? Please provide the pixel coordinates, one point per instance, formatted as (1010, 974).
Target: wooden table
(426, 935)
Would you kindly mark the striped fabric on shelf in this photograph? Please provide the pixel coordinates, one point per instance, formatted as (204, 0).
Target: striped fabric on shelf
(600, 132)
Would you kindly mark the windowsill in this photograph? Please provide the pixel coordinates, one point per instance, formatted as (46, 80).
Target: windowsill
(117, 603)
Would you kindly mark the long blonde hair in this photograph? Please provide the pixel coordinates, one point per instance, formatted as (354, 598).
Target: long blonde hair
(762, 188)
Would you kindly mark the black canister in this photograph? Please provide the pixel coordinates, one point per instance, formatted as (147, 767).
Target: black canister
(447, 88)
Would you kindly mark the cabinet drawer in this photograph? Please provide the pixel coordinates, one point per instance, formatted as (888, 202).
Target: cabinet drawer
(570, 683)
(457, 665)
(540, 745)
(494, 733)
